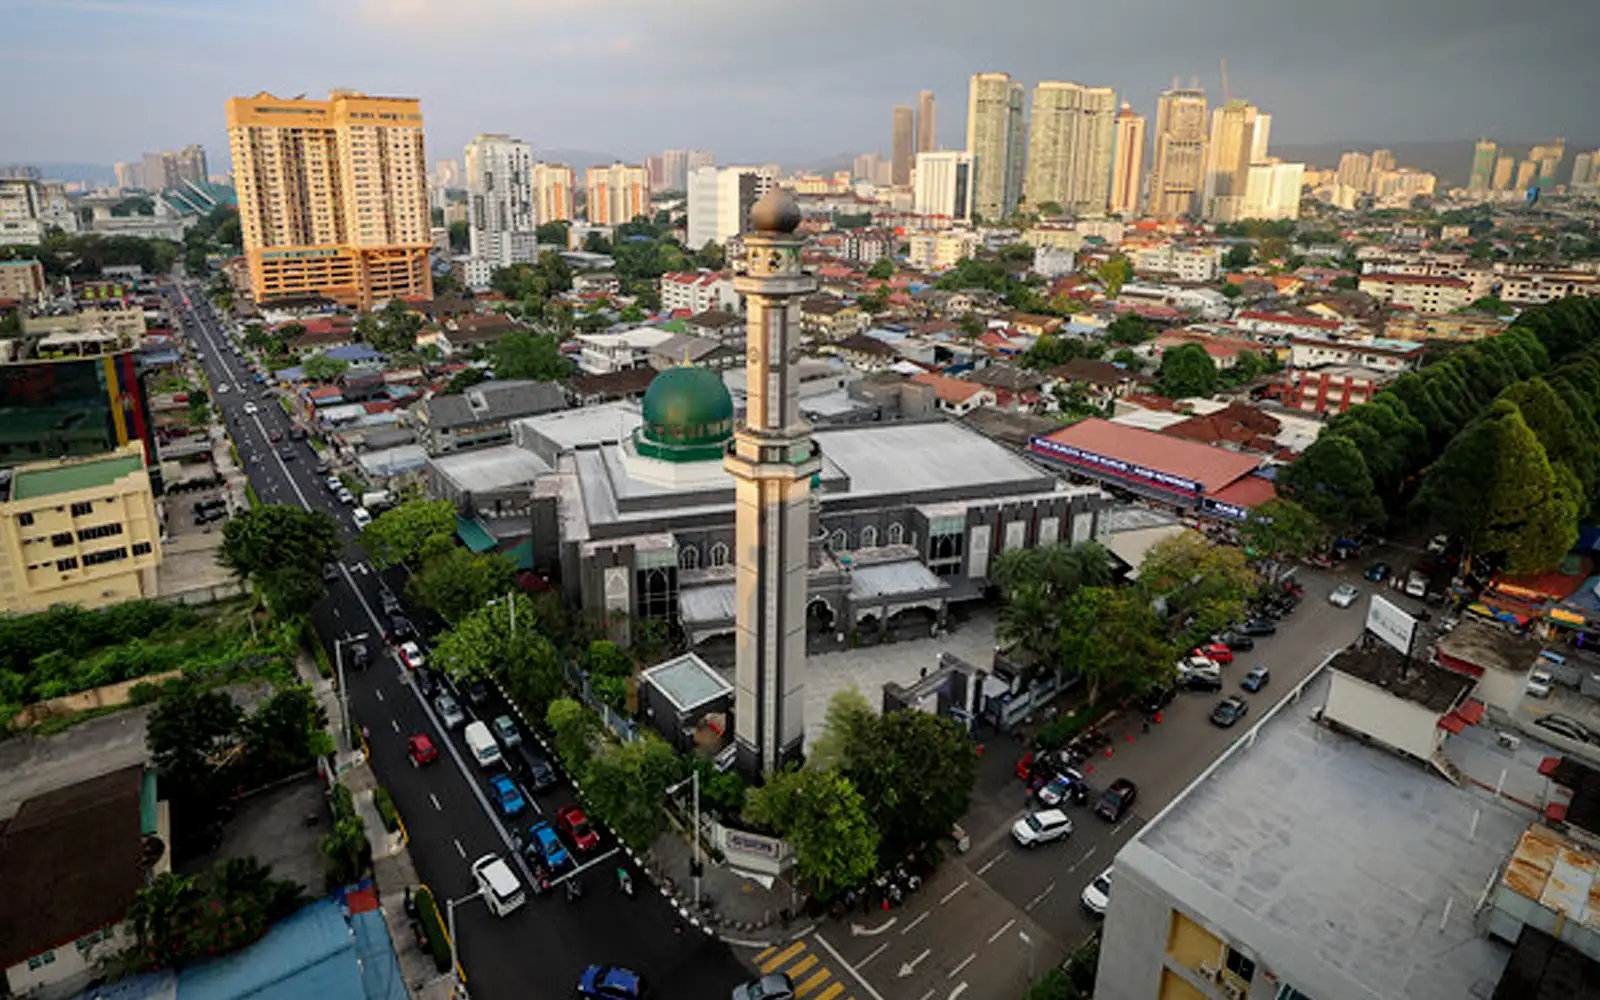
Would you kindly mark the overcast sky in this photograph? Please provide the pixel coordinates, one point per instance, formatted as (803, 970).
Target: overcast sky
(758, 80)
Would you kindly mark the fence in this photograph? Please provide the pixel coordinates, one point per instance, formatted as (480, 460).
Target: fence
(625, 729)
(106, 696)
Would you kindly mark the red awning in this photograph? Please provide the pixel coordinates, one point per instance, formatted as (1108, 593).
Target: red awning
(1471, 711)
(1452, 723)
(1548, 766)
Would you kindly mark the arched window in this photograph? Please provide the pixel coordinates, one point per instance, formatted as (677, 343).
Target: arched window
(897, 534)
(840, 541)
(719, 554)
(869, 537)
(688, 557)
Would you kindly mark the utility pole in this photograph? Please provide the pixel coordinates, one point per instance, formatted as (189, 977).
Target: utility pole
(696, 864)
(450, 915)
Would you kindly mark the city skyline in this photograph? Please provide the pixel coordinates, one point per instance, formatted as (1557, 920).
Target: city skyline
(591, 61)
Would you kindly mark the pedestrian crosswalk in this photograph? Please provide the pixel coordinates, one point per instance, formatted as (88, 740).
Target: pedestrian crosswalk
(811, 979)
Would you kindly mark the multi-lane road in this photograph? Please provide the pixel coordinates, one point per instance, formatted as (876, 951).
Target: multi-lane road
(541, 949)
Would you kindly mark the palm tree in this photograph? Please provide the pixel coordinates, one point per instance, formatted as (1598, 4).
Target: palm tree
(160, 915)
(1029, 621)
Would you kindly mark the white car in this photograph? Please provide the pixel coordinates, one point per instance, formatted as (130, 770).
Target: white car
(1097, 894)
(1198, 665)
(1539, 684)
(1343, 596)
(223, 388)
(360, 517)
(1041, 827)
(411, 653)
(250, 408)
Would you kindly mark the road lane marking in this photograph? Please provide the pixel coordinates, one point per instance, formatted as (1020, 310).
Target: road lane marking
(1040, 898)
(1118, 828)
(960, 989)
(926, 995)
(913, 925)
(777, 961)
(991, 862)
(378, 692)
(832, 991)
(1086, 856)
(1005, 927)
(871, 990)
(583, 867)
(874, 954)
(856, 930)
(947, 897)
(798, 969)
(821, 976)
(460, 850)
(907, 968)
(957, 970)
(765, 952)
(395, 724)
(435, 800)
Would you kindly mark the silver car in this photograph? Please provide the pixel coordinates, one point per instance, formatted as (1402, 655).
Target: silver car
(505, 730)
(774, 986)
(449, 711)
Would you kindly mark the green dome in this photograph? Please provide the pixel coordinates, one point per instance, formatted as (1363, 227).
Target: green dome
(687, 413)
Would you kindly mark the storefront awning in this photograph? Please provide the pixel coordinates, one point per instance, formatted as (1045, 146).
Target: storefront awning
(474, 535)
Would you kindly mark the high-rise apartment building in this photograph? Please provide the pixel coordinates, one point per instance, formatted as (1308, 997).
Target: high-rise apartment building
(29, 209)
(1382, 160)
(1527, 174)
(927, 118)
(333, 196)
(616, 194)
(1127, 163)
(674, 170)
(1178, 156)
(1549, 158)
(995, 138)
(655, 170)
(1354, 171)
(447, 174)
(720, 201)
(1272, 190)
(904, 141)
(1483, 160)
(500, 207)
(1586, 170)
(1229, 153)
(699, 158)
(1070, 136)
(552, 192)
(865, 167)
(166, 169)
(944, 185)
(127, 176)
(1505, 167)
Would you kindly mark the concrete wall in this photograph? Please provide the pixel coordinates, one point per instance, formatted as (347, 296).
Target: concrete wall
(106, 696)
(1367, 708)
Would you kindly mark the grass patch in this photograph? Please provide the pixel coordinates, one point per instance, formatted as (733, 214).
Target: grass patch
(62, 723)
(386, 811)
(311, 641)
(250, 494)
(288, 407)
(433, 927)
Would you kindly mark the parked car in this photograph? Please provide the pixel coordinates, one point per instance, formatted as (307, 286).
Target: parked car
(1259, 627)
(1564, 725)
(1539, 684)
(421, 751)
(330, 572)
(1068, 786)
(1157, 698)
(449, 710)
(1237, 641)
(1041, 827)
(1377, 572)
(542, 839)
(389, 602)
(1117, 799)
(400, 627)
(333, 483)
(1256, 679)
(540, 774)
(477, 693)
(1437, 544)
(427, 683)
(774, 986)
(507, 795)
(1217, 651)
(1229, 711)
(1416, 584)
(1097, 894)
(345, 497)
(360, 518)
(1201, 680)
(411, 654)
(287, 454)
(1343, 595)
(250, 408)
(608, 982)
(505, 730)
(576, 825)
(274, 435)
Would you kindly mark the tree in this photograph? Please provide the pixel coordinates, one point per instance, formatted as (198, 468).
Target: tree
(915, 772)
(609, 669)
(392, 329)
(284, 735)
(711, 256)
(162, 916)
(321, 368)
(572, 732)
(822, 816)
(1028, 622)
(1345, 283)
(1036, 583)
(881, 270)
(596, 243)
(524, 354)
(1111, 637)
(455, 581)
(1050, 209)
(189, 734)
(1281, 529)
(1231, 291)
(1129, 328)
(849, 715)
(552, 234)
(1238, 256)
(460, 237)
(627, 785)
(484, 644)
(1114, 273)
(1201, 587)
(401, 534)
(1557, 429)
(283, 549)
(1127, 359)
(1331, 480)
(1186, 371)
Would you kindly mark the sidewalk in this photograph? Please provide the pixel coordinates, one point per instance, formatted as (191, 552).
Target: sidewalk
(741, 908)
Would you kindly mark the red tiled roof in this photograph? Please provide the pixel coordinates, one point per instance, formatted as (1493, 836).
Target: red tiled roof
(1416, 279)
(1214, 468)
(1320, 324)
(1249, 492)
(951, 390)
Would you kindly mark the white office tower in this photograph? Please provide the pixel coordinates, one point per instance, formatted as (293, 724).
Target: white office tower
(500, 203)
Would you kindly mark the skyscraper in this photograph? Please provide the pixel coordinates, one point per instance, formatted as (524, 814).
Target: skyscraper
(1354, 171)
(1070, 138)
(1549, 158)
(904, 143)
(1382, 160)
(1586, 170)
(655, 170)
(127, 176)
(773, 461)
(616, 194)
(1527, 174)
(552, 192)
(927, 118)
(675, 169)
(720, 201)
(1483, 159)
(944, 185)
(1231, 150)
(865, 167)
(500, 203)
(1178, 159)
(700, 158)
(1127, 163)
(333, 196)
(1504, 166)
(995, 140)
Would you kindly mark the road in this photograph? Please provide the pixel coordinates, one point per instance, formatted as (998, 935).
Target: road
(541, 949)
(974, 930)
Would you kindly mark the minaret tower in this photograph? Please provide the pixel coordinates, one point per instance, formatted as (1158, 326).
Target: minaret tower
(772, 459)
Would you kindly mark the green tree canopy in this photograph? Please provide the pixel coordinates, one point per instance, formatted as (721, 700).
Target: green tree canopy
(627, 786)
(1331, 480)
(524, 354)
(1202, 587)
(1282, 529)
(1128, 328)
(1113, 639)
(710, 256)
(321, 368)
(460, 236)
(485, 644)
(1238, 256)
(282, 549)
(284, 735)
(1114, 273)
(881, 270)
(401, 534)
(454, 582)
(1185, 372)
(190, 734)
(849, 716)
(824, 818)
(572, 732)
(915, 772)
(552, 233)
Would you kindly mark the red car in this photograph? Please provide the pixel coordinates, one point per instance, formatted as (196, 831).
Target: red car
(576, 824)
(421, 750)
(1214, 651)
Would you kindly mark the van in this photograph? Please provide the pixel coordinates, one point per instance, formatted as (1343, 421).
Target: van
(377, 500)
(501, 890)
(484, 749)
(1416, 584)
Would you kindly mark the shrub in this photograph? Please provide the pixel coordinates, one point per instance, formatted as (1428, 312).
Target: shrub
(386, 812)
(1057, 733)
(433, 927)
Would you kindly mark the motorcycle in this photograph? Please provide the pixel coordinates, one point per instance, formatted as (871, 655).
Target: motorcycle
(625, 881)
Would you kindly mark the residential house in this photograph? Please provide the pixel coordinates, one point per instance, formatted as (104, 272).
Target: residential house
(866, 353)
(1101, 381)
(1330, 388)
(1223, 351)
(715, 324)
(956, 396)
(1033, 325)
(358, 385)
(1014, 388)
(604, 353)
(482, 415)
(1423, 293)
(827, 318)
(461, 334)
(702, 352)
(699, 292)
(1532, 289)
(601, 282)
(1381, 354)
(1285, 325)
(609, 387)
(1462, 327)
(1237, 426)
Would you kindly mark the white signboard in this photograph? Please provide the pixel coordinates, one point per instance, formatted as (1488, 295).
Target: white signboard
(1390, 623)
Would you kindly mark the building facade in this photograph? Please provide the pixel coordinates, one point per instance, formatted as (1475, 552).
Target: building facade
(944, 186)
(617, 194)
(1273, 190)
(21, 280)
(927, 117)
(1127, 164)
(500, 203)
(720, 201)
(1484, 154)
(1178, 155)
(333, 197)
(1425, 293)
(1071, 135)
(996, 140)
(30, 209)
(903, 141)
(552, 193)
(1232, 148)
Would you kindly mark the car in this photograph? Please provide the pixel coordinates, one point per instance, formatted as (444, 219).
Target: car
(1259, 627)
(1200, 680)
(400, 627)
(576, 825)
(1539, 684)
(411, 655)
(1189, 664)
(1416, 584)
(477, 693)
(449, 711)
(1437, 544)
(1237, 641)
(773, 986)
(1041, 827)
(1229, 710)
(333, 483)
(1377, 572)
(507, 795)
(1116, 800)
(297, 433)
(1343, 595)
(1097, 894)
(360, 518)
(1214, 651)
(1563, 725)
(1157, 698)
(540, 774)
(287, 454)
(421, 751)
(1068, 786)
(609, 982)
(274, 435)
(223, 389)
(1256, 679)
(345, 497)
(330, 572)
(360, 655)
(389, 602)
(250, 409)
(427, 682)
(505, 730)
(543, 841)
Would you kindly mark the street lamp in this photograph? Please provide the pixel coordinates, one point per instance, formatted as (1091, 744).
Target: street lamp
(695, 864)
(1025, 939)
(450, 915)
(510, 600)
(344, 692)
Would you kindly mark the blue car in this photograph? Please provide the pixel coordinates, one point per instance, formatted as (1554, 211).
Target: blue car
(543, 840)
(507, 795)
(607, 982)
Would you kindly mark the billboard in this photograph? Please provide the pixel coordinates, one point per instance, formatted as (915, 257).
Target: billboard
(1391, 623)
(1116, 466)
